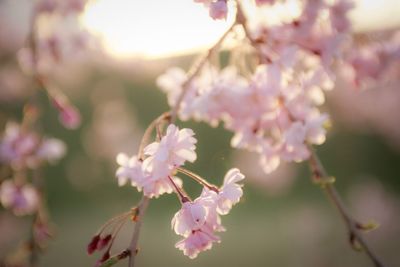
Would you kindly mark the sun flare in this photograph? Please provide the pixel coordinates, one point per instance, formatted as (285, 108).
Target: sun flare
(152, 28)
(160, 28)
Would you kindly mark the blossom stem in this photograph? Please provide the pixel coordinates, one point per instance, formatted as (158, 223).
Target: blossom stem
(197, 67)
(319, 174)
(182, 196)
(241, 19)
(116, 231)
(198, 179)
(149, 130)
(113, 220)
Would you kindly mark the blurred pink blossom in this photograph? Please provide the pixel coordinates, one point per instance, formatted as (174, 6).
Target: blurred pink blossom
(22, 200)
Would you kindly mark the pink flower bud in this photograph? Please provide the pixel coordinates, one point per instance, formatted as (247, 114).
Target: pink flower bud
(92, 246)
(104, 242)
(70, 117)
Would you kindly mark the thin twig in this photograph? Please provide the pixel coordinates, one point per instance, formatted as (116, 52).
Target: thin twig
(135, 237)
(319, 174)
(144, 202)
(149, 130)
(197, 67)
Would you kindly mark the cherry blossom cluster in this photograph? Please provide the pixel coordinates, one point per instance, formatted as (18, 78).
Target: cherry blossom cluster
(56, 38)
(21, 149)
(197, 220)
(57, 35)
(372, 63)
(273, 113)
(274, 110)
(155, 173)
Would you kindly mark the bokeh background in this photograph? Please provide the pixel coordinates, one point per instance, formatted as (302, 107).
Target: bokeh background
(283, 220)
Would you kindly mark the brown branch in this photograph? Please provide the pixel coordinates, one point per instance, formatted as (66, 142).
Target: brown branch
(144, 202)
(133, 250)
(321, 176)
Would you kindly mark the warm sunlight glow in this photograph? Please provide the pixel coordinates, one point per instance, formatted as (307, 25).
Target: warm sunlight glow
(152, 28)
(160, 28)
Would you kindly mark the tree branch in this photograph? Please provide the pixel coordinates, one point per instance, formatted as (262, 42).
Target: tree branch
(321, 177)
(133, 250)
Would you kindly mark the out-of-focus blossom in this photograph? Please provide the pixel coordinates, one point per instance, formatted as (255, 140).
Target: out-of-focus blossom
(51, 150)
(264, 2)
(275, 110)
(273, 113)
(58, 37)
(63, 7)
(21, 148)
(22, 200)
(69, 115)
(218, 9)
(274, 184)
(372, 63)
(353, 110)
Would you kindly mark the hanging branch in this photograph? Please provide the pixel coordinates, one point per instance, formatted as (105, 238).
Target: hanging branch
(321, 177)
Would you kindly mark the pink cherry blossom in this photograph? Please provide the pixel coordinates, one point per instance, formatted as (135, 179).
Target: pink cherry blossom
(51, 150)
(69, 115)
(196, 222)
(191, 217)
(199, 220)
(22, 200)
(130, 170)
(22, 148)
(154, 173)
(154, 187)
(17, 147)
(230, 192)
(176, 147)
(196, 242)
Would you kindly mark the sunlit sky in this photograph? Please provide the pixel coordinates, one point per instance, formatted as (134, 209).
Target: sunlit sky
(159, 28)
